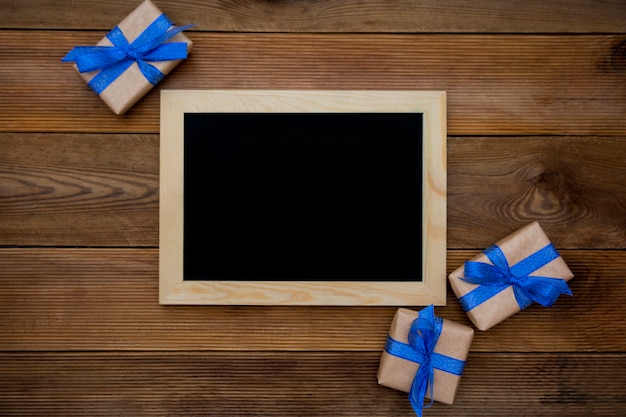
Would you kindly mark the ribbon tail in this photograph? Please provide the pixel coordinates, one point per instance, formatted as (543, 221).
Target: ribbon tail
(542, 290)
(92, 58)
(77, 51)
(158, 40)
(522, 297)
(173, 31)
(152, 73)
(418, 390)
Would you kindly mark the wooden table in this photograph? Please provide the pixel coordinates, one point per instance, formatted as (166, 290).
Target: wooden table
(537, 131)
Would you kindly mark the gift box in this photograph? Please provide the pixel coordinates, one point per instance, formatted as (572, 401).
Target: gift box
(424, 356)
(507, 277)
(132, 58)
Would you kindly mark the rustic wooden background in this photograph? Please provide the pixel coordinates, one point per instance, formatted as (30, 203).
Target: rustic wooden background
(537, 131)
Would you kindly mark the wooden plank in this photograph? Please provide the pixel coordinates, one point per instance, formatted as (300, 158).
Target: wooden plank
(102, 189)
(295, 383)
(497, 85)
(537, 16)
(94, 190)
(574, 186)
(97, 299)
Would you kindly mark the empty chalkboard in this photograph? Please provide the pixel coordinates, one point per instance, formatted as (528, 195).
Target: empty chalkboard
(301, 196)
(292, 197)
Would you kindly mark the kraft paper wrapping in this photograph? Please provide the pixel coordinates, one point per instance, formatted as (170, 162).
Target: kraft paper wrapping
(131, 86)
(516, 246)
(397, 373)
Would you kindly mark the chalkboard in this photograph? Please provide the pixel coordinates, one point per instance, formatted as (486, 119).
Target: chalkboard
(303, 196)
(293, 197)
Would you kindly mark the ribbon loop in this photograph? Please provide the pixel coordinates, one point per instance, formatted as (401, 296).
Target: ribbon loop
(423, 337)
(112, 61)
(495, 278)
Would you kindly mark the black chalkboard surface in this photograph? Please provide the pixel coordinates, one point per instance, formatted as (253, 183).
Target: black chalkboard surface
(303, 196)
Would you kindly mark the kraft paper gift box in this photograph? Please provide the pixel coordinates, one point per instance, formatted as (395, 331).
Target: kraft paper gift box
(528, 269)
(410, 339)
(132, 58)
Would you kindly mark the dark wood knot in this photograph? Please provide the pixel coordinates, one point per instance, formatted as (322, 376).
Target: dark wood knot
(618, 60)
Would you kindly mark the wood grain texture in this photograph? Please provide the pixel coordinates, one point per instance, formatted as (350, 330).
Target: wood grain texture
(102, 189)
(298, 383)
(69, 189)
(95, 299)
(570, 16)
(574, 186)
(536, 103)
(496, 85)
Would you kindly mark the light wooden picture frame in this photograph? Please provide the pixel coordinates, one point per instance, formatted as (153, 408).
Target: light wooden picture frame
(175, 289)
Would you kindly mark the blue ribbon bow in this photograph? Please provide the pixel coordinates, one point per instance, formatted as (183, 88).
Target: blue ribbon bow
(112, 61)
(495, 278)
(423, 337)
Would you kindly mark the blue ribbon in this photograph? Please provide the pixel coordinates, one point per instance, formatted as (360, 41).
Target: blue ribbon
(423, 337)
(495, 278)
(112, 61)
